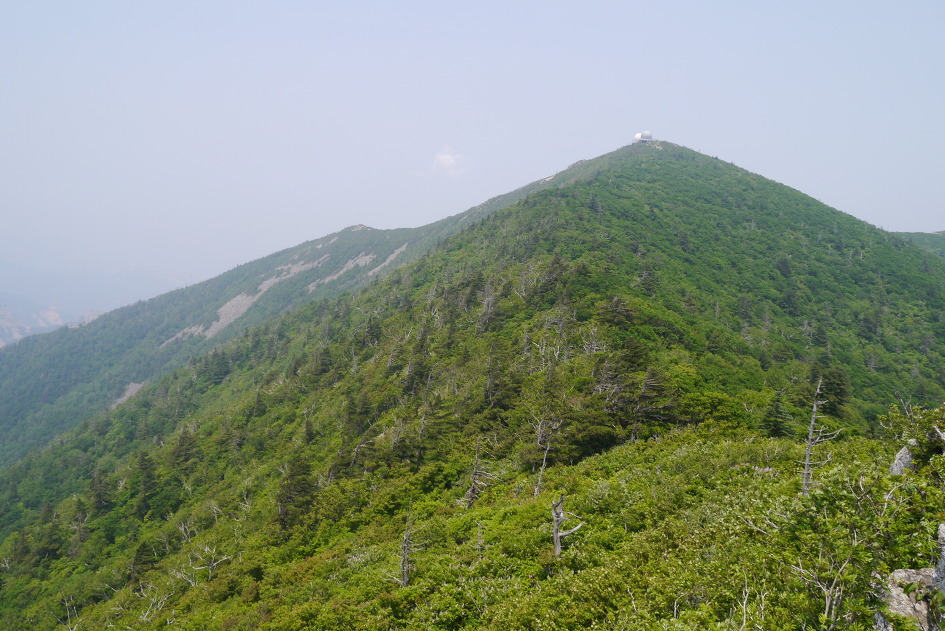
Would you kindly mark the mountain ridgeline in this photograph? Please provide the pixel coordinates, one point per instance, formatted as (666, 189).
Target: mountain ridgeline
(584, 409)
(48, 383)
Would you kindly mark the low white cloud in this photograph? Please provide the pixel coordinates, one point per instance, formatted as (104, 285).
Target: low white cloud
(448, 162)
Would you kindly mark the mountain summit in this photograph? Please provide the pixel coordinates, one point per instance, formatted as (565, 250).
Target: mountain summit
(698, 220)
(585, 408)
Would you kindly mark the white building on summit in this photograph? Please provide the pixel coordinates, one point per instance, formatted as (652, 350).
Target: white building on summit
(643, 136)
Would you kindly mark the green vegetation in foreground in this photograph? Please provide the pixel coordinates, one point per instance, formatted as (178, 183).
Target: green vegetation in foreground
(643, 341)
(701, 528)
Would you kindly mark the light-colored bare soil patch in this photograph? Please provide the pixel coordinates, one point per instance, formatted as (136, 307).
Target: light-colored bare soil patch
(235, 307)
(390, 258)
(361, 260)
(129, 392)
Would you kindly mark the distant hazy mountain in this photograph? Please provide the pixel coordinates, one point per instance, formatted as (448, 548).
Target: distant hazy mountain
(20, 317)
(36, 301)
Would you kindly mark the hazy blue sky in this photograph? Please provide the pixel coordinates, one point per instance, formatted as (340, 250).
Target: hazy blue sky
(189, 137)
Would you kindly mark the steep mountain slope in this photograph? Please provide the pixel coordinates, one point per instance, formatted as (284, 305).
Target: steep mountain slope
(49, 383)
(643, 339)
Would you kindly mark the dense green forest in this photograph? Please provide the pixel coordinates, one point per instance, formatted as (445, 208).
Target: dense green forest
(630, 364)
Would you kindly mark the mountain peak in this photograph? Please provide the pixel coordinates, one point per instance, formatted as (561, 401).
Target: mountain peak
(641, 334)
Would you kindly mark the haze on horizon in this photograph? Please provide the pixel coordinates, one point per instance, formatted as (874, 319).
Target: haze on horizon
(183, 139)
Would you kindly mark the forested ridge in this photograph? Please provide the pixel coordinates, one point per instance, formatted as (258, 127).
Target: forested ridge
(629, 364)
(50, 382)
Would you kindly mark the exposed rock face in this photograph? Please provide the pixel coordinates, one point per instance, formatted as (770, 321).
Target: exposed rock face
(239, 305)
(881, 624)
(906, 590)
(907, 605)
(129, 392)
(387, 261)
(903, 461)
(361, 260)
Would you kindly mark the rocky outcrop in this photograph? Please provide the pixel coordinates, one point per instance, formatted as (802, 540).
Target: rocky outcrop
(130, 390)
(904, 597)
(903, 460)
(387, 261)
(361, 260)
(909, 593)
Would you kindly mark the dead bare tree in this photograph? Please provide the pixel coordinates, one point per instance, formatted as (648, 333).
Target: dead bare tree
(208, 558)
(816, 434)
(407, 548)
(154, 599)
(187, 530)
(546, 420)
(558, 517)
(72, 621)
(185, 573)
(939, 432)
(406, 563)
(479, 479)
(544, 432)
(200, 558)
